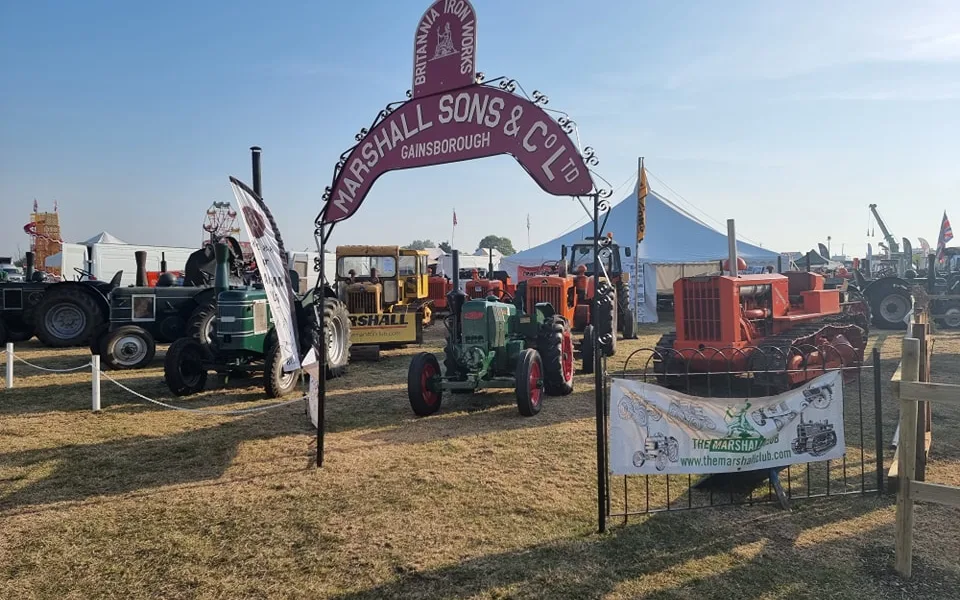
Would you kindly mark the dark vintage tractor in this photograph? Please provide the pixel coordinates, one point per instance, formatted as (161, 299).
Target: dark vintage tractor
(785, 328)
(142, 315)
(891, 296)
(491, 344)
(60, 314)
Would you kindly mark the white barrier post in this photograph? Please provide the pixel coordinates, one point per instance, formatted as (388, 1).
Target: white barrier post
(9, 365)
(95, 365)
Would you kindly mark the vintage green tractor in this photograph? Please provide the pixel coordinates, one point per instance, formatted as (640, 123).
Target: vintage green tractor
(245, 339)
(493, 345)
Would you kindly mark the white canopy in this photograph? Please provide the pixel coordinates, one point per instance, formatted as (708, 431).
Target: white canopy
(672, 237)
(104, 237)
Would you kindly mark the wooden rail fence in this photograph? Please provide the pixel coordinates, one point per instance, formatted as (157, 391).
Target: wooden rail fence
(915, 397)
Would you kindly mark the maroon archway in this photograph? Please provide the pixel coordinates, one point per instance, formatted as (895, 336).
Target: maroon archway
(452, 116)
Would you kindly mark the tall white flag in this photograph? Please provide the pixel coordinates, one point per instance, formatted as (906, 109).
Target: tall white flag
(273, 271)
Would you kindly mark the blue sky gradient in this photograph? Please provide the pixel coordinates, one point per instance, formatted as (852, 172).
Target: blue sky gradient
(791, 119)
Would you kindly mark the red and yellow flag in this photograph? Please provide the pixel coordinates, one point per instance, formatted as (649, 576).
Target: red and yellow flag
(642, 190)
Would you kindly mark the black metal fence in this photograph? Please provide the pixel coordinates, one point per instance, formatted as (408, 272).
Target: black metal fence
(859, 471)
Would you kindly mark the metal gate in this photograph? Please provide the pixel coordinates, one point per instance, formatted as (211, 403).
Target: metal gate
(859, 471)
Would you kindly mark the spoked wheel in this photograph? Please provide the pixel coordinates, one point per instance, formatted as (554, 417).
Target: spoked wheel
(128, 347)
(952, 317)
(529, 383)
(422, 389)
(183, 367)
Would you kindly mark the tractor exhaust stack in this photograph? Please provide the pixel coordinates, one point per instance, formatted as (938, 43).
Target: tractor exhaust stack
(28, 267)
(732, 247)
(163, 262)
(255, 163)
(455, 300)
(221, 280)
(141, 257)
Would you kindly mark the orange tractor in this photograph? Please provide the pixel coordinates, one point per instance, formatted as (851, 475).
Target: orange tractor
(785, 328)
(571, 297)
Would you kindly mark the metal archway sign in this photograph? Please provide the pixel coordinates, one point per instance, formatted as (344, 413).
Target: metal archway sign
(452, 115)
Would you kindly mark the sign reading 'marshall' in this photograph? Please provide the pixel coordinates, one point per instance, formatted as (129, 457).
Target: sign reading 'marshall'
(451, 118)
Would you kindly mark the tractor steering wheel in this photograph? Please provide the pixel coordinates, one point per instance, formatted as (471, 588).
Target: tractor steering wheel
(84, 273)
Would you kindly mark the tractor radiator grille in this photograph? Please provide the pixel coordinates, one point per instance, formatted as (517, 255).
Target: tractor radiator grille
(544, 293)
(438, 289)
(701, 310)
(260, 316)
(362, 302)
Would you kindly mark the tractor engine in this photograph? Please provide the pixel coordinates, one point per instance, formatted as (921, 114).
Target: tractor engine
(363, 298)
(243, 320)
(487, 337)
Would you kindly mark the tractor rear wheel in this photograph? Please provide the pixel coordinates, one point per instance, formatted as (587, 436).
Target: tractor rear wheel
(183, 367)
(529, 383)
(951, 318)
(586, 349)
(607, 318)
(555, 344)
(128, 347)
(425, 398)
(890, 304)
(67, 317)
(276, 382)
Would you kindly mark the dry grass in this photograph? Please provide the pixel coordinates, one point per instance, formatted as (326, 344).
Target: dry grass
(476, 502)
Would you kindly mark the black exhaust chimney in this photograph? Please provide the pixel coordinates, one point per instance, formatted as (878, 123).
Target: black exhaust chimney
(255, 160)
(28, 271)
(141, 257)
(163, 262)
(931, 273)
(455, 300)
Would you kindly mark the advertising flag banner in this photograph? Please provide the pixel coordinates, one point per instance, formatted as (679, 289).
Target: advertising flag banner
(658, 431)
(273, 272)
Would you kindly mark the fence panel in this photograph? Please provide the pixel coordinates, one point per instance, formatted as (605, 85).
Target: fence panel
(859, 471)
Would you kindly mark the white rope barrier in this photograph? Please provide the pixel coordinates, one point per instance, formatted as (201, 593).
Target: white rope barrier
(39, 368)
(242, 411)
(96, 373)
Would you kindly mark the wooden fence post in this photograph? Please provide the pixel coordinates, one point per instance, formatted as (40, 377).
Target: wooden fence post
(907, 459)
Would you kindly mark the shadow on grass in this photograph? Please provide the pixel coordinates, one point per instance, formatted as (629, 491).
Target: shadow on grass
(661, 558)
(80, 471)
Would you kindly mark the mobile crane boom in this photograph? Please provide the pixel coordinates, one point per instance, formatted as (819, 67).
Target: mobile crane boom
(892, 244)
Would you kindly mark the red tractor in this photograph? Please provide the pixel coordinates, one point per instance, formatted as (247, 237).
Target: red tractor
(786, 329)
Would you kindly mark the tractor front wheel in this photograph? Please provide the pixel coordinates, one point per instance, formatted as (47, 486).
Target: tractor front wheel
(128, 347)
(529, 383)
(555, 344)
(425, 396)
(629, 325)
(276, 381)
(183, 367)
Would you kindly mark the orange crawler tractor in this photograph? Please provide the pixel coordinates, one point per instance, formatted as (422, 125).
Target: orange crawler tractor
(785, 328)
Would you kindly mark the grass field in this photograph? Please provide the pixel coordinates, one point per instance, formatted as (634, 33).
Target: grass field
(475, 502)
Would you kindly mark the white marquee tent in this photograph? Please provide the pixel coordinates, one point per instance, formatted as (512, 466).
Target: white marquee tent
(676, 245)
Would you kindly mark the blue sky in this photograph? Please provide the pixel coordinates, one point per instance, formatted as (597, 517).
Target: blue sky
(791, 119)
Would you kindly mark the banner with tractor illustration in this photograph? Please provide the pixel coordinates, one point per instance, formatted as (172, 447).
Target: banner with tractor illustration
(655, 430)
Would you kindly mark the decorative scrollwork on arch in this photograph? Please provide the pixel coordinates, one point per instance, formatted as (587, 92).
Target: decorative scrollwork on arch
(363, 133)
(480, 77)
(590, 156)
(567, 124)
(540, 98)
(326, 193)
(509, 85)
